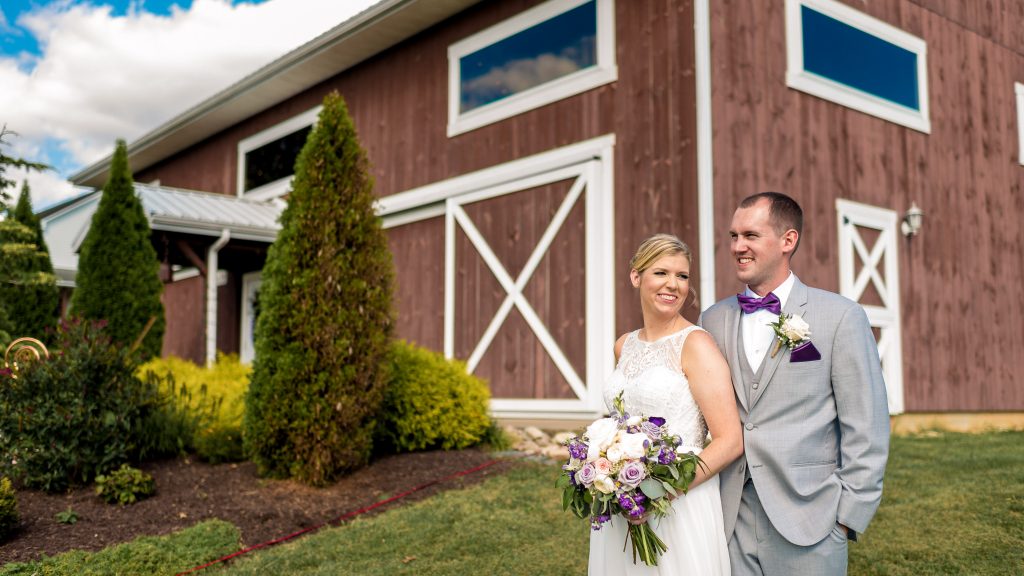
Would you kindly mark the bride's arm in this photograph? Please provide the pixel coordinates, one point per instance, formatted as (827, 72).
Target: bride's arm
(711, 386)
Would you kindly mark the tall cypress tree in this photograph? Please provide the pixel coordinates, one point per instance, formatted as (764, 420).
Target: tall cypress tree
(23, 213)
(118, 271)
(325, 315)
(28, 288)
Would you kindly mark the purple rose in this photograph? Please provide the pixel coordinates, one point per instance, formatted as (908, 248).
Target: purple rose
(652, 430)
(657, 421)
(586, 475)
(666, 456)
(632, 473)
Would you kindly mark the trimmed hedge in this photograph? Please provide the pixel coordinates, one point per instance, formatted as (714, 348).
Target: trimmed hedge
(214, 397)
(8, 509)
(430, 402)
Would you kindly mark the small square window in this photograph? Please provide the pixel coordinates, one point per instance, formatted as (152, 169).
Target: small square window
(852, 59)
(550, 52)
(266, 160)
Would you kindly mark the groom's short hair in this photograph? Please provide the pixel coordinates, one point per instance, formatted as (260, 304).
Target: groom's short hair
(783, 212)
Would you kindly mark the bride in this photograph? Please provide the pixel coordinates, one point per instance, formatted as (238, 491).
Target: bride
(673, 369)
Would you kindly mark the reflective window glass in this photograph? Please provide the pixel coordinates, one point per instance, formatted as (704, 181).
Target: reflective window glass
(547, 51)
(274, 160)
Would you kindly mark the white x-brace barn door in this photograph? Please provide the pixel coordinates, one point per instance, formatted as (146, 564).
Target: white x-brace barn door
(872, 266)
(583, 169)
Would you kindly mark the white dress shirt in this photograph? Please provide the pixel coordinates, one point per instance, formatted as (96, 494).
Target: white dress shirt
(757, 334)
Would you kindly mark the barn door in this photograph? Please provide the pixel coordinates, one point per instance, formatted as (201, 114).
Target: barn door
(526, 289)
(869, 275)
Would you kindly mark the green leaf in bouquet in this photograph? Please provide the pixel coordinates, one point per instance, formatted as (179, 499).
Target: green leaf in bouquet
(674, 471)
(652, 488)
(566, 499)
(670, 488)
(562, 481)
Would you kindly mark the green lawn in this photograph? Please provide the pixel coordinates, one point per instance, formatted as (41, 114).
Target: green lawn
(953, 504)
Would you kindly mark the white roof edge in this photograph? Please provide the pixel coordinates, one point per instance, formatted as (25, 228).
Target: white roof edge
(435, 10)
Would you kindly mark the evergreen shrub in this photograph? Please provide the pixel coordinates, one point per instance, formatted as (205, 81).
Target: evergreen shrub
(126, 485)
(325, 315)
(8, 509)
(28, 288)
(215, 399)
(430, 402)
(78, 414)
(118, 271)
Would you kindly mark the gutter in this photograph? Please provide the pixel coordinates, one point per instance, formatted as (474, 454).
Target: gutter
(211, 296)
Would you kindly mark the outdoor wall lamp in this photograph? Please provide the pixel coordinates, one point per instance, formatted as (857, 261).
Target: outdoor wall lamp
(912, 219)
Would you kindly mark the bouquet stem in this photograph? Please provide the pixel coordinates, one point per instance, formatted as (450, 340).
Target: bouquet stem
(646, 543)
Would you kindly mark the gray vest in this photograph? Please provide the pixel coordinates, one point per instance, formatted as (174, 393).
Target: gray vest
(751, 380)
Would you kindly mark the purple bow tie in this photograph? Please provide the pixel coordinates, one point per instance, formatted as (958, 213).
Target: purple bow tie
(750, 304)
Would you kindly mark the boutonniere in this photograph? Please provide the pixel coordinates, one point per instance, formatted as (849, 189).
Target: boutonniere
(791, 330)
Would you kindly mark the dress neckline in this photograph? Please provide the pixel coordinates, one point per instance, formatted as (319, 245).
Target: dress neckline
(636, 334)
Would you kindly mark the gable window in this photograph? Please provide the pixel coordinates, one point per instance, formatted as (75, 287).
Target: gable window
(550, 52)
(1019, 89)
(266, 160)
(847, 57)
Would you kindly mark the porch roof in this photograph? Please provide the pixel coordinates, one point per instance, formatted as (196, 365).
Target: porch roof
(205, 214)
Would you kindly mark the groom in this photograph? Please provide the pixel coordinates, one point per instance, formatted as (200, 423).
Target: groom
(812, 405)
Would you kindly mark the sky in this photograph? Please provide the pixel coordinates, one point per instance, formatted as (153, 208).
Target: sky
(77, 74)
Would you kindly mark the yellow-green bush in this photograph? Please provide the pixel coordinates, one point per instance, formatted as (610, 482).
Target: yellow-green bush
(219, 390)
(8, 509)
(430, 402)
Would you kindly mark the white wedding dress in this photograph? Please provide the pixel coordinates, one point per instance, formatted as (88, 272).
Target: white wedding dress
(653, 384)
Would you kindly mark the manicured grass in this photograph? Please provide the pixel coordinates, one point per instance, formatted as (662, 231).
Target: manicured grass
(510, 524)
(155, 555)
(952, 504)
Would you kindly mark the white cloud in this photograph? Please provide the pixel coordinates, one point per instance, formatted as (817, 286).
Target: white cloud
(102, 77)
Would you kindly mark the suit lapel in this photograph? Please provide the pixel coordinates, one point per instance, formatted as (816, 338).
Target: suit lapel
(795, 304)
(732, 327)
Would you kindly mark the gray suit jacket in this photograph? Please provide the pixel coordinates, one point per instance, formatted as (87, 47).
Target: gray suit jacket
(816, 434)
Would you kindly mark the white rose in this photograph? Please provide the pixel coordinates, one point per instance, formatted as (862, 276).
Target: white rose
(600, 435)
(605, 485)
(796, 329)
(615, 453)
(632, 446)
(633, 421)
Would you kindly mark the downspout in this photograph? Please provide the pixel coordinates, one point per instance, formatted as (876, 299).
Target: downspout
(705, 172)
(211, 296)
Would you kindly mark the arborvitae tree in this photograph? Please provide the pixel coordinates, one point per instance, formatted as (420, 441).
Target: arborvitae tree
(28, 288)
(23, 213)
(118, 271)
(325, 315)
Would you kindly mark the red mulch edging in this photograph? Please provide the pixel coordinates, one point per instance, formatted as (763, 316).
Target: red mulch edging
(189, 491)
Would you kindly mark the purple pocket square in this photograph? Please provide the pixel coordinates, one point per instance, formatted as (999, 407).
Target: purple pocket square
(805, 352)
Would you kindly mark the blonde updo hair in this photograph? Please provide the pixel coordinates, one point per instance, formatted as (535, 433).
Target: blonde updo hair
(657, 246)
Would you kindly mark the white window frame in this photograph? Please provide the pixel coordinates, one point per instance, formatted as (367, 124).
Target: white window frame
(1019, 89)
(281, 186)
(251, 282)
(800, 79)
(603, 72)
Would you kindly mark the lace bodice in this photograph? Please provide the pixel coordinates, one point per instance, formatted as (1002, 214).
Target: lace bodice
(653, 384)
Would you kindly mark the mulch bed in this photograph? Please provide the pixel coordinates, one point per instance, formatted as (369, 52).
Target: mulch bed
(189, 491)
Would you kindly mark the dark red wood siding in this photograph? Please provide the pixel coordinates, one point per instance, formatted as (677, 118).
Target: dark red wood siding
(961, 279)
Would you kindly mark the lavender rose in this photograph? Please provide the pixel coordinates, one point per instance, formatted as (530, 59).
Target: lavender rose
(586, 475)
(632, 474)
(652, 430)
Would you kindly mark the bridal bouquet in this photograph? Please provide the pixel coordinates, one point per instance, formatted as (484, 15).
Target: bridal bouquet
(626, 465)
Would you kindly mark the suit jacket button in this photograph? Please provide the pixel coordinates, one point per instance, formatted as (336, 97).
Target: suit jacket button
(750, 426)
(754, 385)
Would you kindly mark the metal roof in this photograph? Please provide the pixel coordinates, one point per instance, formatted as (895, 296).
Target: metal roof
(206, 214)
(370, 32)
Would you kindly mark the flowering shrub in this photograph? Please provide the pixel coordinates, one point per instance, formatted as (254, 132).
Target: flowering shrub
(78, 414)
(430, 402)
